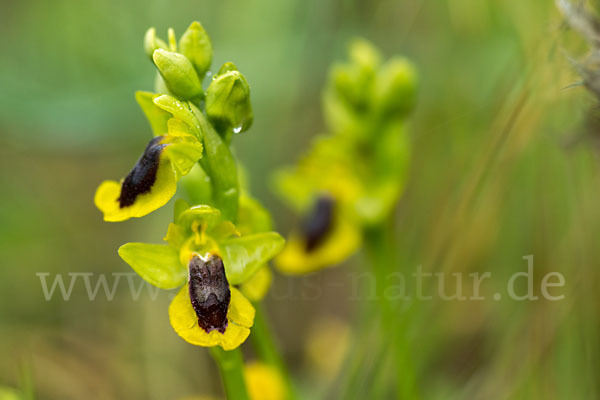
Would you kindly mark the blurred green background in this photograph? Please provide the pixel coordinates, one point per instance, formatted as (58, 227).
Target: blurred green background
(502, 168)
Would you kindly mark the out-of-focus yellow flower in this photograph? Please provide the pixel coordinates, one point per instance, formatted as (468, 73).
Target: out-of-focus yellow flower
(323, 187)
(264, 382)
(352, 178)
(327, 343)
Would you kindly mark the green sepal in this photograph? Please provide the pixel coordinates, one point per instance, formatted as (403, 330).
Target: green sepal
(196, 46)
(176, 235)
(179, 74)
(228, 103)
(157, 117)
(157, 264)
(243, 256)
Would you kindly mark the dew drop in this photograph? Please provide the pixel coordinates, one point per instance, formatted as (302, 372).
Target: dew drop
(237, 129)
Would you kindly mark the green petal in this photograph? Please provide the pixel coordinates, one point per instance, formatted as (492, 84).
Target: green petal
(179, 110)
(176, 127)
(156, 263)
(203, 214)
(243, 256)
(183, 155)
(157, 117)
(180, 206)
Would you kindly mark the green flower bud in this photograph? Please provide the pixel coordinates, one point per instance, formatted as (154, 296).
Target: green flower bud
(172, 39)
(196, 46)
(151, 42)
(178, 73)
(353, 82)
(396, 87)
(228, 101)
(365, 55)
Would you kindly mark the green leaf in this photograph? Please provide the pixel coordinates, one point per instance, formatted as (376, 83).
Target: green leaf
(179, 74)
(157, 264)
(157, 117)
(196, 46)
(243, 256)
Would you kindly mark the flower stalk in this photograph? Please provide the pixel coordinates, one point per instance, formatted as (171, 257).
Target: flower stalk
(231, 366)
(266, 348)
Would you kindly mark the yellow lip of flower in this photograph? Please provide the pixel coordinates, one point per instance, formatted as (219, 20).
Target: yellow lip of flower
(153, 180)
(340, 241)
(184, 320)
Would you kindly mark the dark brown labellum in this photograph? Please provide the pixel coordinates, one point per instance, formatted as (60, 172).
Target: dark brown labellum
(319, 222)
(143, 174)
(209, 292)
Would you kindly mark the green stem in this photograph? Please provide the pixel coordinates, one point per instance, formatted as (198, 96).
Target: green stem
(379, 246)
(266, 349)
(231, 366)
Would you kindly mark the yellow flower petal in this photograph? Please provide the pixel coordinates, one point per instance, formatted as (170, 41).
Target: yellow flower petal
(185, 321)
(341, 242)
(164, 187)
(241, 311)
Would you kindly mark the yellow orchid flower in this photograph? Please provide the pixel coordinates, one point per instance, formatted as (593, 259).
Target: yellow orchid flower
(208, 258)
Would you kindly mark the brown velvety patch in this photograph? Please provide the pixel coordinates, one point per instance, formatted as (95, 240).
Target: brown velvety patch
(209, 292)
(318, 223)
(143, 174)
